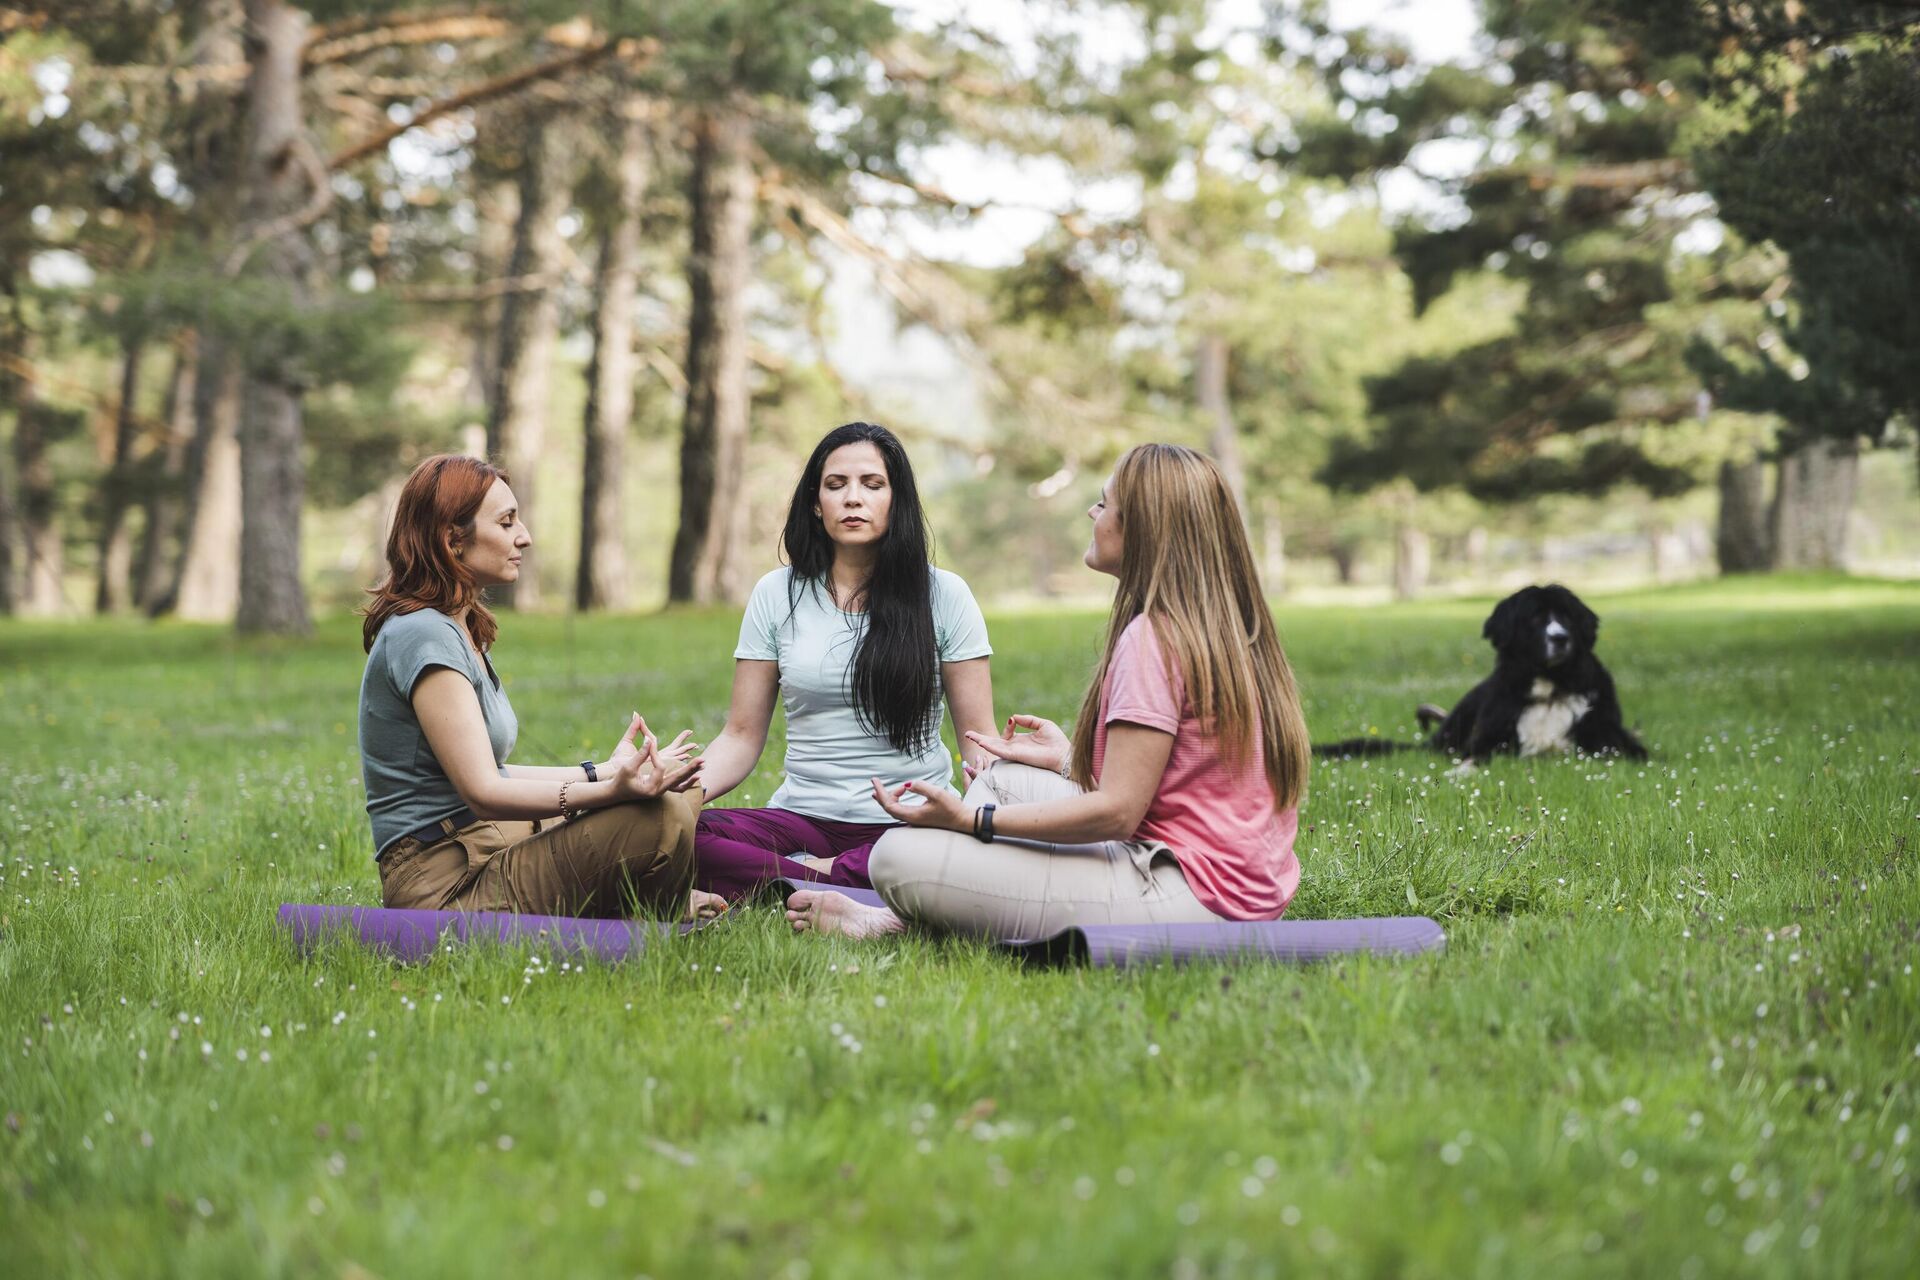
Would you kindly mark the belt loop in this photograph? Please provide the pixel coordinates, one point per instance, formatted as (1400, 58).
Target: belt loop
(447, 827)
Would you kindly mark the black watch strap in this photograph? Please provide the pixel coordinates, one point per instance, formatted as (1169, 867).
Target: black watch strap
(593, 774)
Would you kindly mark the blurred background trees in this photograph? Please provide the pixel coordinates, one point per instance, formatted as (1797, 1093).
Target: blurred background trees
(1609, 279)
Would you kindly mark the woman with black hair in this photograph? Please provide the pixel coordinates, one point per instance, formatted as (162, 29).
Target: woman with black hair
(860, 636)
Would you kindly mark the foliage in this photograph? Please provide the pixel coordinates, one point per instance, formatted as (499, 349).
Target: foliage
(1810, 148)
(1577, 198)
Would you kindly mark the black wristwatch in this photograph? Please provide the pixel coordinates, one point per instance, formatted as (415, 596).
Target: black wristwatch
(593, 774)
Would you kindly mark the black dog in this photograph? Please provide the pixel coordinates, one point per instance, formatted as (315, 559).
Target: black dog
(1547, 693)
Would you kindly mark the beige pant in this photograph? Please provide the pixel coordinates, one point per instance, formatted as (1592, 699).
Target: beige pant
(1021, 889)
(618, 861)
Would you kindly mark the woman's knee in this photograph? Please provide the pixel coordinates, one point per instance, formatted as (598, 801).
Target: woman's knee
(1016, 783)
(663, 825)
(680, 823)
(905, 857)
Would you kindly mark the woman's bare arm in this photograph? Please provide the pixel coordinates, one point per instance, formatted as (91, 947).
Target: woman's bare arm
(449, 715)
(1136, 757)
(681, 748)
(969, 687)
(733, 754)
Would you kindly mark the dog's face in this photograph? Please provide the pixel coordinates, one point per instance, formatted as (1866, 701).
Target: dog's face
(1539, 628)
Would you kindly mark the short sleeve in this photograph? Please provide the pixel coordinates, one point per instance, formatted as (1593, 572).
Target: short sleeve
(417, 642)
(1139, 690)
(760, 627)
(959, 630)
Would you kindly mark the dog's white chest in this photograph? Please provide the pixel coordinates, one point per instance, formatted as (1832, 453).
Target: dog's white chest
(1549, 719)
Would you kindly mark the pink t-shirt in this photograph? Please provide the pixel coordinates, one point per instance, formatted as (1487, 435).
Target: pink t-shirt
(1218, 818)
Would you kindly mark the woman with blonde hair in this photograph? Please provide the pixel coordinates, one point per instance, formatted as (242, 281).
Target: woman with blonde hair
(1177, 797)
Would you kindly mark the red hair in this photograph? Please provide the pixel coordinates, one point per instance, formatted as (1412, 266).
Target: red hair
(435, 513)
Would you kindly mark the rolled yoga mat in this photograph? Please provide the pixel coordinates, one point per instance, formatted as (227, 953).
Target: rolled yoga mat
(413, 935)
(1288, 941)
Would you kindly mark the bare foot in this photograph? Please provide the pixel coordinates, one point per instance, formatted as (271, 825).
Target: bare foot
(825, 912)
(823, 866)
(702, 906)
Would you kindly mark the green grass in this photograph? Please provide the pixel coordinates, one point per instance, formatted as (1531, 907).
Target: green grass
(1675, 1031)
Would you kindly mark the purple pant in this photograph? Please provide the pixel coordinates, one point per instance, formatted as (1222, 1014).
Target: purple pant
(735, 851)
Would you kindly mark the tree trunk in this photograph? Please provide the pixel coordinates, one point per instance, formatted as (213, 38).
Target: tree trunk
(200, 577)
(601, 582)
(714, 428)
(1346, 561)
(272, 492)
(113, 590)
(15, 392)
(44, 561)
(1479, 541)
(7, 576)
(1412, 558)
(498, 207)
(207, 587)
(1742, 541)
(1811, 503)
(1210, 367)
(530, 326)
(165, 497)
(1667, 553)
(1273, 545)
(274, 185)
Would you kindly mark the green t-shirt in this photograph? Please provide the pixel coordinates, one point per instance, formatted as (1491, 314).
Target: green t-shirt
(830, 754)
(406, 787)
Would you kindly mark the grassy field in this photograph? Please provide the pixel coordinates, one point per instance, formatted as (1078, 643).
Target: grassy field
(1676, 1032)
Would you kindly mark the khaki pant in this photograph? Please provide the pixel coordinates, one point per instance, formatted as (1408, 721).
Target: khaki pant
(1022, 889)
(618, 861)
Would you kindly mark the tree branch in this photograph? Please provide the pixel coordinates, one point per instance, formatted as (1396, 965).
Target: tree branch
(335, 44)
(373, 21)
(486, 91)
(455, 26)
(1634, 175)
(480, 291)
(319, 196)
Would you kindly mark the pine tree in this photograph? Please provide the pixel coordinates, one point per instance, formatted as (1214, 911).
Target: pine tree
(1580, 201)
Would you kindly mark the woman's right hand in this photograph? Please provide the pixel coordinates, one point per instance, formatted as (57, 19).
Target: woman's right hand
(646, 774)
(1043, 745)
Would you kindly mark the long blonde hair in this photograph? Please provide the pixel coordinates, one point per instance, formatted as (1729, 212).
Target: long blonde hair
(1185, 563)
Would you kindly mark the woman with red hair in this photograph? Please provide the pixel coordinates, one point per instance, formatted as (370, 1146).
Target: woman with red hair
(456, 827)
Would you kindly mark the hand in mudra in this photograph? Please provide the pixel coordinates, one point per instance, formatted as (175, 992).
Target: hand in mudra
(646, 773)
(940, 808)
(1042, 745)
(677, 750)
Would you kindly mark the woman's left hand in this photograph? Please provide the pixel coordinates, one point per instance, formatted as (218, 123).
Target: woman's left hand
(942, 809)
(674, 753)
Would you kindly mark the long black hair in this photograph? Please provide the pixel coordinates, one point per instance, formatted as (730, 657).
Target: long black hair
(895, 680)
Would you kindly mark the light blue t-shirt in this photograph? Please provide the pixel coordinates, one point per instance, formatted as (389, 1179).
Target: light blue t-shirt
(830, 754)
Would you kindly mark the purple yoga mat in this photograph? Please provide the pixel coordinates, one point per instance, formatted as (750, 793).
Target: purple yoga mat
(1288, 941)
(413, 935)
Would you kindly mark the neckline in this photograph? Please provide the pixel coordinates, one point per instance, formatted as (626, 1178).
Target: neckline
(824, 587)
(466, 638)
